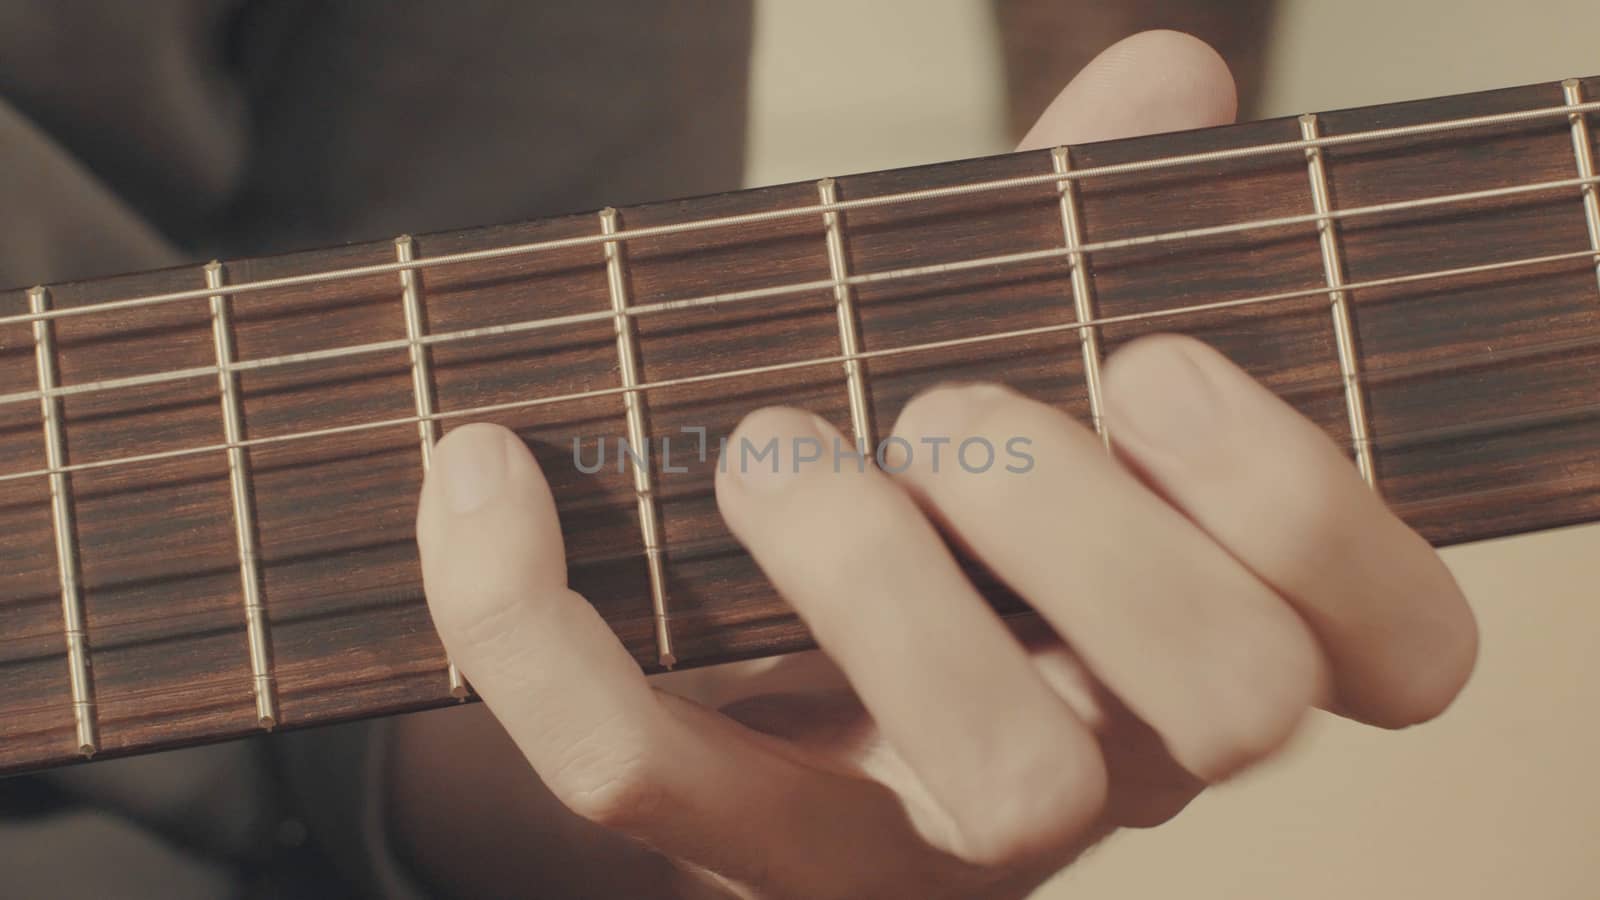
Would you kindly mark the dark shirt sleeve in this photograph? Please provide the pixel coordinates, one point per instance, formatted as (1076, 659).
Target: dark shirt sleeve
(135, 136)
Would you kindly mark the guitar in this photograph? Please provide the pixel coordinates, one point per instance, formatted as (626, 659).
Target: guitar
(211, 471)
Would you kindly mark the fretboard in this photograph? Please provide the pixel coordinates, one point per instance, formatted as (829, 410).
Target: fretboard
(210, 472)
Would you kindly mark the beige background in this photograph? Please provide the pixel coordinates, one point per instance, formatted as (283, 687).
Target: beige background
(1498, 799)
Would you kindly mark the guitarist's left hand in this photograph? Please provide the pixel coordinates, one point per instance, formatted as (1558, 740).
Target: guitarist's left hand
(1224, 575)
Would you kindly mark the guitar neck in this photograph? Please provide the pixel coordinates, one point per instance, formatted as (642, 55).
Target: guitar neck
(211, 471)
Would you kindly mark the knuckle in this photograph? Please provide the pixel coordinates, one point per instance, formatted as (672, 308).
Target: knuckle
(491, 610)
(496, 631)
(615, 789)
(488, 585)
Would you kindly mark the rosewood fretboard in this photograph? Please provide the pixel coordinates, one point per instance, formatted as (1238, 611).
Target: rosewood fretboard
(203, 531)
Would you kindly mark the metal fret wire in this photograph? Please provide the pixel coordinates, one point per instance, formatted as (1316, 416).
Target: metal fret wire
(1007, 259)
(849, 339)
(1400, 439)
(644, 490)
(74, 622)
(1343, 326)
(421, 378)
(49, 394)
(1393, 440)
(1260, 300)
(1427, 435)
(1375, 135)
(422, 395)
(1082, 292)
(1583, 148)
(1415, 437)
(244, 518)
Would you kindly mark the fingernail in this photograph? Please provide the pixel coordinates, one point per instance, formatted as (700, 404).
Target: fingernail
(772, 446)
(1161, 396)
(471, 465)
(950, 409)
(945, 415)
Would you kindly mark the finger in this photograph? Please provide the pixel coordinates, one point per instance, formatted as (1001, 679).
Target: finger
(674, 775)
(1145, 785)
(1188, 639)
(1271, 487)
(1012, 772)
(494, 570)
(1151, 82)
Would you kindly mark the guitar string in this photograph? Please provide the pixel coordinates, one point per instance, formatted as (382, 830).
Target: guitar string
(1393, 441)
(720, 299)
(411, 589)
(213, 370)
(839, 359)
(1370, 136)
(1144, 166)
(1499, 426)
(1397, 440)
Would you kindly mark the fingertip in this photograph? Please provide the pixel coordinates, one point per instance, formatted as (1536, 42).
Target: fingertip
(950, 409)
(1412, 684)
(768, 422)
(472, 433)
(476, 467)
(487, 526)
(481, 440)
(1150, 361)
(769, 448)
(1274, 488)
(1167, 407)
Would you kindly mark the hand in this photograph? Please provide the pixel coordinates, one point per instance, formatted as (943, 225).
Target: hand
(1223, 576)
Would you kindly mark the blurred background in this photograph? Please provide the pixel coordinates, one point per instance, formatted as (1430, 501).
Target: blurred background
(1499, 798)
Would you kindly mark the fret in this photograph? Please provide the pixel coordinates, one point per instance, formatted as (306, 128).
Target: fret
(1583, 148)
(422, 390)
(638, 437)
(244, 517)
(74, 621)
(1343, 326)
(1082, 291)
(849, 338)
(421, 373)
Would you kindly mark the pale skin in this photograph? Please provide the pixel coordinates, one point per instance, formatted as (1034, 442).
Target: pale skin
(1221, 576)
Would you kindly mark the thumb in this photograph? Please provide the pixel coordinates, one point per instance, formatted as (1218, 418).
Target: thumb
(1151, 82)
